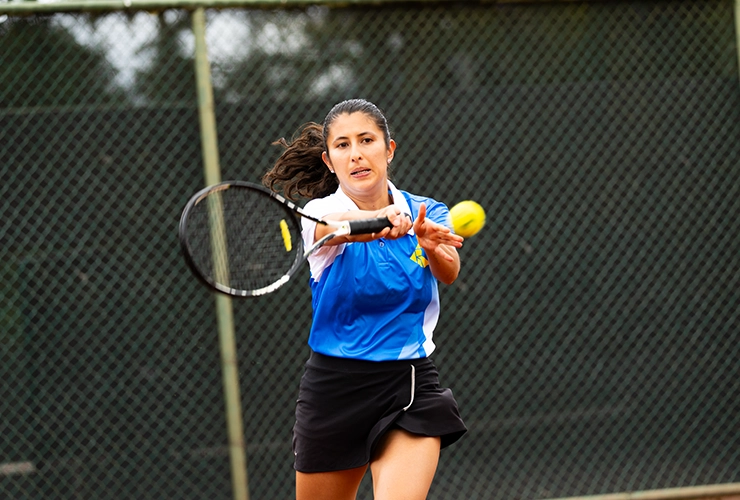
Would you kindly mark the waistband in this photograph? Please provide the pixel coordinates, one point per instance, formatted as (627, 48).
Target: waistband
(350, 365)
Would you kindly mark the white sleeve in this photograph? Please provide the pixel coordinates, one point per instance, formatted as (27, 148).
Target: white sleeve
(322, 258)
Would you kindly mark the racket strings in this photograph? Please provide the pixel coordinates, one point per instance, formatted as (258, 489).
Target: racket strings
(242, 239)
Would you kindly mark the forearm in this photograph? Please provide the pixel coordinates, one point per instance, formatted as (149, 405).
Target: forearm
(322, 230)
(444, 270)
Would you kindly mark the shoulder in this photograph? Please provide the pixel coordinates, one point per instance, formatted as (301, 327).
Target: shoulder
(319, 207)
(418, 199)
(436, 210)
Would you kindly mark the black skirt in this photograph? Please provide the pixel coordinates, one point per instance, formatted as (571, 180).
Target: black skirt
(345, 407)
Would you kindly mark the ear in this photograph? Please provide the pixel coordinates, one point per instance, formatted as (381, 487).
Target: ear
(391, 151)
(327, 161)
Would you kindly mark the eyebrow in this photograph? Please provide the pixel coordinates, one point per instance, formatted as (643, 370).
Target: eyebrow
(344, 138)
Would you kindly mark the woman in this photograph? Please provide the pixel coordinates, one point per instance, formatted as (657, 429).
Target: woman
(370, 395)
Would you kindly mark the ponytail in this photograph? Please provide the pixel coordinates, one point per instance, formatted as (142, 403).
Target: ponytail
(300, 170)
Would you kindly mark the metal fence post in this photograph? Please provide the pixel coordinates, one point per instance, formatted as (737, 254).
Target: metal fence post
(737, 33)
(224, 310)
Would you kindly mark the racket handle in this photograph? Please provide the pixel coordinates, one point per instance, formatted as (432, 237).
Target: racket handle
(367, 226)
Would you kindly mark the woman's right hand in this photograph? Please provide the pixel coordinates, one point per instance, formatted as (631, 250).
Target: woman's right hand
(402, 223)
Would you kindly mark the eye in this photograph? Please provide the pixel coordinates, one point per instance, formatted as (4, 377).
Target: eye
(367, 139)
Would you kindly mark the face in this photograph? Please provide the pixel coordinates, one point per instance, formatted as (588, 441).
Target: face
(358, 155)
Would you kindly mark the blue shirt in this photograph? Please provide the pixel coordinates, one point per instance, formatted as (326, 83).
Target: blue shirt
(375, 301)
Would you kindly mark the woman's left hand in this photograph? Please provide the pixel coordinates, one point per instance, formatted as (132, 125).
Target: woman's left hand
(435, 238)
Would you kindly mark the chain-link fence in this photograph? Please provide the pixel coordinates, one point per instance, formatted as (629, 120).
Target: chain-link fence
(592, 339)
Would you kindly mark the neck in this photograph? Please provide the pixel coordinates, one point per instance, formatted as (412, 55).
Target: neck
(378, 199)
(375, 203)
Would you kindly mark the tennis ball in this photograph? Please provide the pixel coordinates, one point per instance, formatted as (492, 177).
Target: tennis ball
(468, 217)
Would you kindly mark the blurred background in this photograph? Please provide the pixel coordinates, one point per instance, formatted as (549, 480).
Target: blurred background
(593, 336)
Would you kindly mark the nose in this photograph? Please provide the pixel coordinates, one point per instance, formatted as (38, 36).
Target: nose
(355, 154)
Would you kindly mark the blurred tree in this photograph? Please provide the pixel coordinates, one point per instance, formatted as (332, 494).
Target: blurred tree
(170, 75)
(42, 65)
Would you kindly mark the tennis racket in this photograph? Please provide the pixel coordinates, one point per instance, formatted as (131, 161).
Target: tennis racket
(244, 240)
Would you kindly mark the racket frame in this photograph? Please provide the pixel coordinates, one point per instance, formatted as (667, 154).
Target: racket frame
(341, 228)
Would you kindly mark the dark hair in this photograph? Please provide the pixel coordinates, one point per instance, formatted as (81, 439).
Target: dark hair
(300, 170)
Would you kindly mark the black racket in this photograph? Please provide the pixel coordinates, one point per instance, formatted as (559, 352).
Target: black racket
(244, 240)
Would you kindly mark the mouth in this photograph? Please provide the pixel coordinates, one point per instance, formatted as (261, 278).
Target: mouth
(360, 172)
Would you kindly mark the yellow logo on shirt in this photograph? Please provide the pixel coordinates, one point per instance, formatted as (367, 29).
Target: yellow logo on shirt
(418, 257)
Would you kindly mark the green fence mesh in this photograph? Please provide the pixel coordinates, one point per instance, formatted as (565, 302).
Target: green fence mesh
(592, 339)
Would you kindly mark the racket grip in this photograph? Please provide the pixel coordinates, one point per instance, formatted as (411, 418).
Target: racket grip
(367, 226)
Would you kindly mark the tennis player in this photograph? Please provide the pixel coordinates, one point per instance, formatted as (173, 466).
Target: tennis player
(370, 395)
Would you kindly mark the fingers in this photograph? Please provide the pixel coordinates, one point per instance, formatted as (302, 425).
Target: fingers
(443, 254)
(401, 223)
(420, 218)
(431, 232)
(442, 236)
(423, 211)
(435, 237)
(381, 234)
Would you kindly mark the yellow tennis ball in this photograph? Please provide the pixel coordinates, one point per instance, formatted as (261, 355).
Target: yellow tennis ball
(468, 217)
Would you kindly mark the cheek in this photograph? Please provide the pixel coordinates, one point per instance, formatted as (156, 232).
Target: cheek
(338, 157)
(382, 160)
